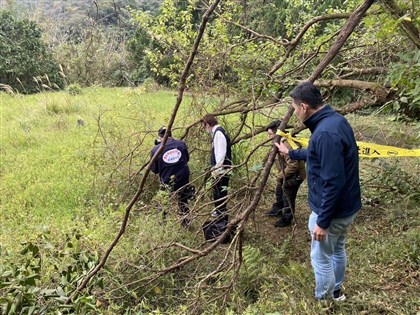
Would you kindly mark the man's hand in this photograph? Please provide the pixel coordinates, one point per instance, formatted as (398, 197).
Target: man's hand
(217, 172)
(282, 148)
(319, 233)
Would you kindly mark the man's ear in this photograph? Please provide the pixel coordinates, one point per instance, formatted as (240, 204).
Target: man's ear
(305, 107)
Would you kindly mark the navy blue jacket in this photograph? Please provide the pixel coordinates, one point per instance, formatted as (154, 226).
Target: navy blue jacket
(172, 162)
(332, 164)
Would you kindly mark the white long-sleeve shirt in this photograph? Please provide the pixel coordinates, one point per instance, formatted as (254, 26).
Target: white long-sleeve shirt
(220, 148)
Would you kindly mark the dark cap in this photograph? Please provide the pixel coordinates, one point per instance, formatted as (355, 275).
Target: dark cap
(162, 131)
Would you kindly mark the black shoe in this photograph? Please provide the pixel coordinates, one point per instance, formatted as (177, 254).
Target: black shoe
(185, 223)
(273, 212)
(282, 223)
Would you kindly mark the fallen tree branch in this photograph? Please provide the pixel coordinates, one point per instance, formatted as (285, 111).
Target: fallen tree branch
(378, 90)
(241, 218)
(358, 72)
(356, 106)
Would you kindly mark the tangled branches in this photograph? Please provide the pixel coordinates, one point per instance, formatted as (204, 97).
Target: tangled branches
(246, 198)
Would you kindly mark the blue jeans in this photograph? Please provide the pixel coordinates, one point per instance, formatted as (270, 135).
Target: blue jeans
(328, 257)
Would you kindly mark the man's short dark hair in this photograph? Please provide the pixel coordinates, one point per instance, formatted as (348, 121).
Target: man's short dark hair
(162, 131)
(274, 125)
(307, 93)
(210, 120)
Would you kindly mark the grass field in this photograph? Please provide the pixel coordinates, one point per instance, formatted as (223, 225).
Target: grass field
(48, 159)
(64, 166)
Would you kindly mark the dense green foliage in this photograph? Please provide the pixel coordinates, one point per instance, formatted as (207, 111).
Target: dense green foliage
(119, 43)
(404, 76)
(25, 62)
(237, 56)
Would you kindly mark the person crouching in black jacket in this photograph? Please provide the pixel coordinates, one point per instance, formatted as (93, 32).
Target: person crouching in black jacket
(173, 171)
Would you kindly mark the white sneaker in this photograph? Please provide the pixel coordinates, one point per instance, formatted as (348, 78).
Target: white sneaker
(338, 296)
(341, 298)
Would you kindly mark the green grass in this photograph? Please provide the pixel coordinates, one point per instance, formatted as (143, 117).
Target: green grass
(48, 161)
(59, 179)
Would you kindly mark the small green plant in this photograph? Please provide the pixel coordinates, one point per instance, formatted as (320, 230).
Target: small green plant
(20, 280)
(74, 89)
(252, 273)
(56, 107)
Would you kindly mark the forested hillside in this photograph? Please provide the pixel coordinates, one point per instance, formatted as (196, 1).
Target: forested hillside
(118, 43)
(85, 89)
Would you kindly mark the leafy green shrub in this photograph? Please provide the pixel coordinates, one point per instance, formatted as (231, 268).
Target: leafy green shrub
(150, 85)
(25, 63)
(74, 89)
(97, 57)
(22, 292)
(404, 77)
(252, 273)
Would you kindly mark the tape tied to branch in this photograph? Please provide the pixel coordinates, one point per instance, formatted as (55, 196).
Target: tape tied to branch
(366, 150)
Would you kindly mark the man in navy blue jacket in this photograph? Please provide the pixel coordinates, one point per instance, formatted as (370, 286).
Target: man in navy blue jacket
(332, 164)
(172, 168)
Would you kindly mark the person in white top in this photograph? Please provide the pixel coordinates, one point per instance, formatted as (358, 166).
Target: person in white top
(221, 161)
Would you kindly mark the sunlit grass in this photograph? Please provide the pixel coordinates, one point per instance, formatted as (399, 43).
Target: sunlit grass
(47, 160)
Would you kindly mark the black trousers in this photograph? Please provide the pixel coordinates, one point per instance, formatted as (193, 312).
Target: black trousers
(182, 194)
(291, 187)
(220, 192)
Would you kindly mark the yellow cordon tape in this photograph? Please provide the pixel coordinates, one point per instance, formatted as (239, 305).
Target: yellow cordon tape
(366, 150)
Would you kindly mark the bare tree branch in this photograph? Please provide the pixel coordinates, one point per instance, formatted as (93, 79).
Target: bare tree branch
(346, 31)
(317, 19)
(182, 86)
(358, 72)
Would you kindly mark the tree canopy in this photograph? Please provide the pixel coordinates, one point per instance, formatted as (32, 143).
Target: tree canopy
(268, 47)
(249, 47)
